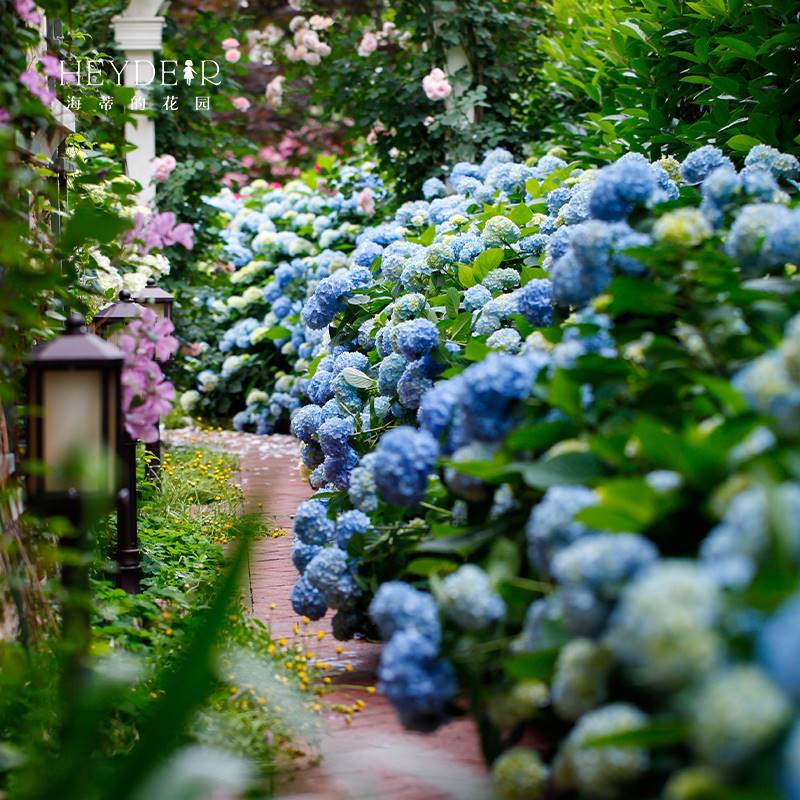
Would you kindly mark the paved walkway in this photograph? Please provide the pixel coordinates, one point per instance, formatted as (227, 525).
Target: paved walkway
(366, 754)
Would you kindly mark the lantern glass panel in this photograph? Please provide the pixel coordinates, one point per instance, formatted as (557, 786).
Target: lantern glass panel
(74, 453)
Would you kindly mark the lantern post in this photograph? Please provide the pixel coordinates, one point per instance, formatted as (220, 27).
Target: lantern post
(73, 431)
(108, 323)
(161, 303)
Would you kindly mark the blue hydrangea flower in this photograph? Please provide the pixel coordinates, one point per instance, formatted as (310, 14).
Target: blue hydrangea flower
(409, 306)
(701, 162)
(781, 165)
(670, 601)
(311, 523)
(735, 715)
(779, 647)
(389, 372)
(417, 338)
(603, 771)
(333, 436)
(575, 284)
(552, 524)
(557, 198)
(348, 523)
(362, 490)
(535, 302)
(415, 381)
(534, 244)
(495, 384)
(603, 562)
(759, 183)
(404, 458)
(506, 340)
(331, 574)
(467, 247)
(476, 297)
(467, 597)
(433, 187)
(398, 606)
(302, 554)
(500, 231)
(307, 601)
(417, 682)
(305, 422)
(501, 279)
(366, 253)
(621, 186)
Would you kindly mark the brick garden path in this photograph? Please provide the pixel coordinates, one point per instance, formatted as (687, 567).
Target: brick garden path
(371, 757)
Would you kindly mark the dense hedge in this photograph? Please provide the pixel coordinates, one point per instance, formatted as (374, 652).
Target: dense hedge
(550, 411)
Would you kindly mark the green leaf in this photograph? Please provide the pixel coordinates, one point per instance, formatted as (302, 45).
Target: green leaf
(355, 377)
(465, 276)
(91, 224)
(452, 302)
(476, 350)
(656, 733)
(427, 236)
(277, 332)
(539, 436)
(429, 566)
(639, 295)
(742, 143)
(487, 261)
(564, 468)
(520, 214)
(538, 666)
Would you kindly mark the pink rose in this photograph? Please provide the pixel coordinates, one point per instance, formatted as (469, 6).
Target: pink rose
(230, 44)
(241, 103)
(368, 44)
(162, 167)
(319, 23)
(366, 202)
(233, 55)
(436, 85)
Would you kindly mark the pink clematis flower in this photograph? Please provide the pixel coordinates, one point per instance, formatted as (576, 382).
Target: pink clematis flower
(26, 9)
(146, 394)
(37, 86)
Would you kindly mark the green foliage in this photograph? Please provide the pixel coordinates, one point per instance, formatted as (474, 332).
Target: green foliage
(181, 665)
(667, 76)
(383, 91)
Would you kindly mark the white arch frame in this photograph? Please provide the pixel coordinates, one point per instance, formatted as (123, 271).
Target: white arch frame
(138, 34)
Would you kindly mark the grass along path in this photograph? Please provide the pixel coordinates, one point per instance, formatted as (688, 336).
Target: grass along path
(366, 752)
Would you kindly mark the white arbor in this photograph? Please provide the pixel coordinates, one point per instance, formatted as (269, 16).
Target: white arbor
(137, 33)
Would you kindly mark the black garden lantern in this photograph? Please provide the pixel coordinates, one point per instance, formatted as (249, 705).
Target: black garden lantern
(157, 299)
(109, 321)
(74, 423)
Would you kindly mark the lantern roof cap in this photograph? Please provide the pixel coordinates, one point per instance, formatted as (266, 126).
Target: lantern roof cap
(124, 309)
(76, 347)
(154, 294)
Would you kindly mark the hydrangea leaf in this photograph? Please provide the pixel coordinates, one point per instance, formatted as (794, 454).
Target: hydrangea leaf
(357, 378)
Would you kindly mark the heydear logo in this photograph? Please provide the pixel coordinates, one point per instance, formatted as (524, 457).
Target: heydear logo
(92, 71)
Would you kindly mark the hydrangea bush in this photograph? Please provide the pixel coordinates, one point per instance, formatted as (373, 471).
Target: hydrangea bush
(275, 243)
(550, 413)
